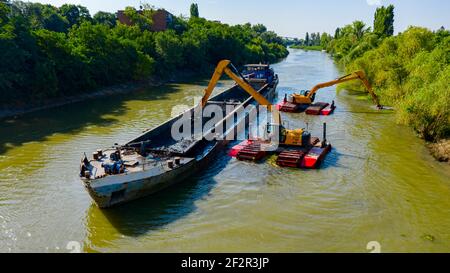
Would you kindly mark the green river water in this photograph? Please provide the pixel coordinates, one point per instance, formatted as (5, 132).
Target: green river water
(378, 184)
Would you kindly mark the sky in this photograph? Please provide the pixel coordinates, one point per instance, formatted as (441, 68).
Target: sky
(292, 18)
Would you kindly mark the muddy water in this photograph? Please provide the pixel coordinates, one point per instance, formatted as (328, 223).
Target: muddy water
(378, 184)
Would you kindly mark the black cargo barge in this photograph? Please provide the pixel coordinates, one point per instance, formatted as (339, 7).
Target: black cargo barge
(154, 160)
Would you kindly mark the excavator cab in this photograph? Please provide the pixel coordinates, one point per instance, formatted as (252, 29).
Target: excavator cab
(287, 137)
(304, 98)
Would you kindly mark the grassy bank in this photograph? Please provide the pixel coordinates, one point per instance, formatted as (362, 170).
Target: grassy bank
(410, 72)
(315, 48)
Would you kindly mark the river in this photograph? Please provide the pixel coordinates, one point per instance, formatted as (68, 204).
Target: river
(378, 184)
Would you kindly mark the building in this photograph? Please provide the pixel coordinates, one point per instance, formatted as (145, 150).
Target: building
(161, 19)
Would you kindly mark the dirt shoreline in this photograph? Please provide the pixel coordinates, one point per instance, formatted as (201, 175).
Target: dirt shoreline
(440, 150)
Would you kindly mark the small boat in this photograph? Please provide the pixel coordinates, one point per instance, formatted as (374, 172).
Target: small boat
(257, 73)
(154, 160)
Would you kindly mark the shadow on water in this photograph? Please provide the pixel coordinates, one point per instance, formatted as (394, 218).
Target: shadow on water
(73, 118)
(162, 208)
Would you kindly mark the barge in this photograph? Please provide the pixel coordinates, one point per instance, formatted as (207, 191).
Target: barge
(154, 160)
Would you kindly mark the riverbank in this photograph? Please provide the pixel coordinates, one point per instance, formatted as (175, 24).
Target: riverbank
(9, 111)
(440, 150)
(314, 48)
(409, 72)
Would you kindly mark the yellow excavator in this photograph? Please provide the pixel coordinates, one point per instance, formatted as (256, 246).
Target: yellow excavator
(306, 98)
(296, 137)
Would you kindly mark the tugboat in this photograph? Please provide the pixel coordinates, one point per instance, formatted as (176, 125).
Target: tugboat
(255, 73)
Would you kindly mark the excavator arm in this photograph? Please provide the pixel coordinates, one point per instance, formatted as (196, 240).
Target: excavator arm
(286, 137)
(224, 67)
(357, 75)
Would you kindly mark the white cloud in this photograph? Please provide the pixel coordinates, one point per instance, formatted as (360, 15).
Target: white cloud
(374, 2)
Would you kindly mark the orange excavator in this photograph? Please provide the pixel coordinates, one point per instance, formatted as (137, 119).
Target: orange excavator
(304, 100)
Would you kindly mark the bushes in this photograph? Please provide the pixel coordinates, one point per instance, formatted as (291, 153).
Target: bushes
(49, 52)
(169, 50)
(411, 72)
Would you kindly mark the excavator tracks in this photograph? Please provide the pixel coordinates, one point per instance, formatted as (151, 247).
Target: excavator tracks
(251, 152)
(316, 108)
(292, 159)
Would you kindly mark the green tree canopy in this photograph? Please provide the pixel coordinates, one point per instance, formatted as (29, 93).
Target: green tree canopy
(359, 29)
(259, 28)
(49, 52)
(75, 14)
(142, 18)
(337, 33)
(105, 18)
(384, 21)
(194, 10)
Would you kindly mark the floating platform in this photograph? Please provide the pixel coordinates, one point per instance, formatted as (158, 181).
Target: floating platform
(291, 158)
(316, 109)
(288, 107)
(309, 157)
(328, 110)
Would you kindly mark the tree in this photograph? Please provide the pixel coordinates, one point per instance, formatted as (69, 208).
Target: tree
(359, 29)
(271, 37)
(168, 47)
(75, 14)
(441, 34)
(384, 21)
(4, 11)
(41, 16)
(143, 19)
(49, 52)
(105, 18)
(324, 40)
(337, 33)
(259, 28)
(56, 22)
(307, 39)
(194, 10)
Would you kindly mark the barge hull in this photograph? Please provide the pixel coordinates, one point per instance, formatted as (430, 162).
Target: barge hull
(117, 189)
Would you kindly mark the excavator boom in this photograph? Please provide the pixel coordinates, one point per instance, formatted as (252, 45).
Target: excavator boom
(291, 137)
(353, 76)
(224, 67)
